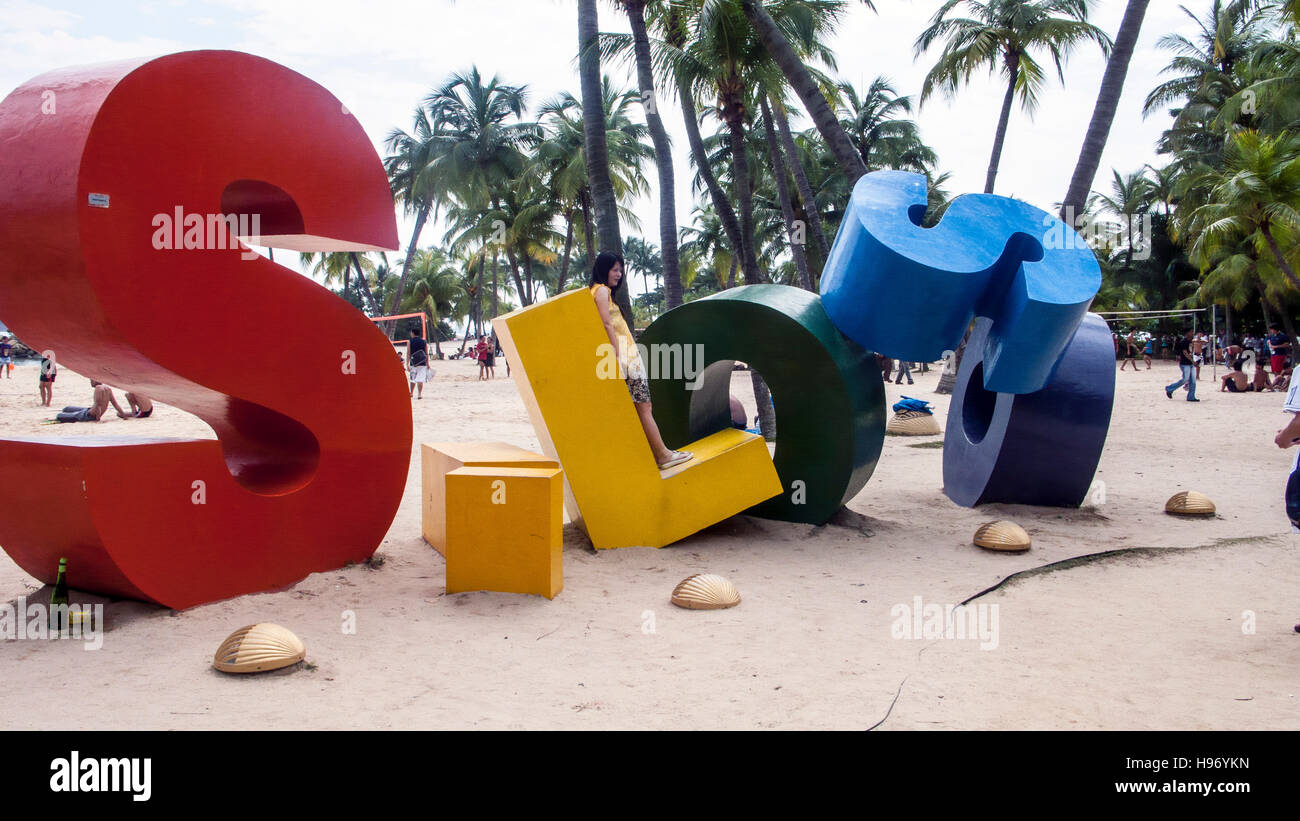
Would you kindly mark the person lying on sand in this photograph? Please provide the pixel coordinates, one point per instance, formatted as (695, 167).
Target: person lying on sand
(102, 399)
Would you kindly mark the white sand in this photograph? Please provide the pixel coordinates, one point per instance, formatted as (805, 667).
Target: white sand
(1149, 640)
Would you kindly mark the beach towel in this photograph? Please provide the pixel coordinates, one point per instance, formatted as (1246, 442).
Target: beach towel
(907, 403)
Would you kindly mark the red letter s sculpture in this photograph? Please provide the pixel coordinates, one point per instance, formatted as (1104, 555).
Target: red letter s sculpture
(306, 396)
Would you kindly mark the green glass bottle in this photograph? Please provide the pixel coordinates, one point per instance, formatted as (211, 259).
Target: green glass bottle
(59, 597)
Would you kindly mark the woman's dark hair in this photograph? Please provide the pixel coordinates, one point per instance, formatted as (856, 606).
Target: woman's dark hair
(600, 270)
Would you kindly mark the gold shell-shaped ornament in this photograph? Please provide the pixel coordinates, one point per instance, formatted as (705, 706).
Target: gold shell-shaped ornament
(705, 591)
(1190, 503)
(1006, 536)
(913, 423)
(258, 647)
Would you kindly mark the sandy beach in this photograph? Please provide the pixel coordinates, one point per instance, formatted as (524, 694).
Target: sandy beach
(1189, 628)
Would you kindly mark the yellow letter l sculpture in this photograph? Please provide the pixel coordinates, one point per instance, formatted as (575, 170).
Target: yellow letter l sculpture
(589, 424)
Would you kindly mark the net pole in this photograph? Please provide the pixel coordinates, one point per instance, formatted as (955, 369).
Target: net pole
(1214, 335)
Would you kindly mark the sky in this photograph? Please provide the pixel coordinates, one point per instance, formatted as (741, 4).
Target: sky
(380, 58)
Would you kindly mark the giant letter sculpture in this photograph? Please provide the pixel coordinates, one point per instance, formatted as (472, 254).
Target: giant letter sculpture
(589, 423)
(1040, 448)
(306, 397)
(830, 403)
(910, 292)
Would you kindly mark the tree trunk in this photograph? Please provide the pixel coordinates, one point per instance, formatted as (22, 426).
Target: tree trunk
(806, 87)
(1277, 254)
(721, 204)
(1103, 114)
(731, 274)
(568, 248)
(420, 217)
(744, 196)
(783, 194)
(748, 261)
(528, 277)
(595, 148)
(589, 228)
(663, 156)
(365, 286)
(1287, 325)
(1263, 305)
(763, 400)
(478, 298)
(494, 284)
(1013, 67)
(801, 181)
(514, 272)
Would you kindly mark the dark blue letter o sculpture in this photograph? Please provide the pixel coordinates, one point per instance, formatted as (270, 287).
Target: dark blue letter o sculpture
(1038, 448)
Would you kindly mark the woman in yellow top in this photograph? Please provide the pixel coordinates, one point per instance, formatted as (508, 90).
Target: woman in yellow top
(605, 276)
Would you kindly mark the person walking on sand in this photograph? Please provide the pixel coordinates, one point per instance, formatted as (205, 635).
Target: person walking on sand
(481, 354)
(418, 363)
(605, 276)
(1148, 351)
(48, 372)
(1183, 349)
(904, 369)
(1130, 352)
(6, 357)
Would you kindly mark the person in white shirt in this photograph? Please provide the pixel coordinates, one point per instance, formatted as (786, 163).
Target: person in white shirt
(1288, 437)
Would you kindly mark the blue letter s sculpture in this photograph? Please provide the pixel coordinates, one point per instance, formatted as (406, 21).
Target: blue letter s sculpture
(909, 292)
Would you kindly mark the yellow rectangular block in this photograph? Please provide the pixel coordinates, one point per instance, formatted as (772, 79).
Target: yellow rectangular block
(437, 459)
(504, 530)
(613, 486)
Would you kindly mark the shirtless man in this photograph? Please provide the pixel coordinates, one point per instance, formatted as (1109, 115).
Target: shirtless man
(1130, 351)
(1198, 348)
(94, 413)
(141, 407)
(1235, 381)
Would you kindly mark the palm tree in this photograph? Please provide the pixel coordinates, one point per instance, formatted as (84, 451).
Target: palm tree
(560, 159)
(783, 196)
(1255, 197)
(663, 153)
(1130, 196)
(726, 61)
(1203, 66)
(808, 201)
(881, 138)
(644, 257)
(1002, 35)
(1103, 114)
(806, 17)
(472, 144)
(704, 244)
(410, 164)
(435, 289)
(597, 156)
